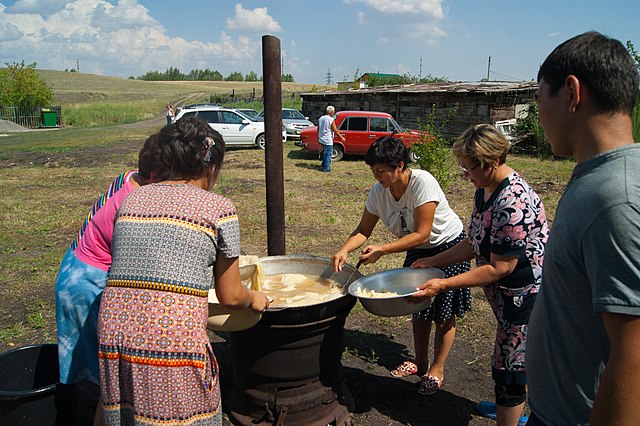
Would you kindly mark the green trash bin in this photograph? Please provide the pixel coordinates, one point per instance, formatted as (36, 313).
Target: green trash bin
(49, 118)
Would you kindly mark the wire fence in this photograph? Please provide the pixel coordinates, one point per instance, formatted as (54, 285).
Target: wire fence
(32, 118)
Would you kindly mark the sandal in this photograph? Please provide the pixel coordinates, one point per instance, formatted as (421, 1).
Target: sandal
(405, 369)
(429, 384)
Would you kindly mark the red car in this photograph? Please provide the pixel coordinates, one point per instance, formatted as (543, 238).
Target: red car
(360, 130)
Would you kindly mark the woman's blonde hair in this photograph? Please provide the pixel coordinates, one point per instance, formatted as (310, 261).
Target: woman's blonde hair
(484, 143)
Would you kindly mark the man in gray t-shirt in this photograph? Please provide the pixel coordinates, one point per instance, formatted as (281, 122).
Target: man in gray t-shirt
(583, 347)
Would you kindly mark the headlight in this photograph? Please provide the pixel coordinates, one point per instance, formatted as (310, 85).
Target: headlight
(289, 126)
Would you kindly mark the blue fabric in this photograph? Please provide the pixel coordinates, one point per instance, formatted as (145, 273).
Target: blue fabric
(489, 409)
(327, 151)
(78, 292)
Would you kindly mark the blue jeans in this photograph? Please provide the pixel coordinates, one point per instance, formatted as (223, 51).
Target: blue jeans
(327, 151)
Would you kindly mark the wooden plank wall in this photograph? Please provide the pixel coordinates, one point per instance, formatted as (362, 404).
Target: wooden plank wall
(456, 110)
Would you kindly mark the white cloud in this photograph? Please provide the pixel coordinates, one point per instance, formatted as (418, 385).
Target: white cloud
(362, 18)
(117, 39)
(45, 7)
(257, 20)
(8, 32)
(127, 14)
(431, 8)
(553, 34)
(422, 18)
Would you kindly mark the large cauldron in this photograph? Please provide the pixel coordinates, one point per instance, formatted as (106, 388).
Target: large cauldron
(288, 365)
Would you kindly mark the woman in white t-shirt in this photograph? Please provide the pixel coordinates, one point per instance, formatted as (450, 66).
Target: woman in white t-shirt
(413, 207)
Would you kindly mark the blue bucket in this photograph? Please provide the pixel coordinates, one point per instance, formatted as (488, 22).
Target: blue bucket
(28, 379)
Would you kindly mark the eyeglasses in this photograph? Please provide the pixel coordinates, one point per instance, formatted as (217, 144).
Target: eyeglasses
(469, 169)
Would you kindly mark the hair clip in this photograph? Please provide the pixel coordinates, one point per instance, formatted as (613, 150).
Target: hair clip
(208, 143)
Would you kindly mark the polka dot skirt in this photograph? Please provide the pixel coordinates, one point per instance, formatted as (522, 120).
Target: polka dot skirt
(448, 303)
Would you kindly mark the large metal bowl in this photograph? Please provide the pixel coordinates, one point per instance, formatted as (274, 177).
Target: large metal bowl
(402, 281)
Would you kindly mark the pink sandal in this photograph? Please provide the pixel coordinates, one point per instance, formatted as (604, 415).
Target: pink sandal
(429, 384)
(405, 369)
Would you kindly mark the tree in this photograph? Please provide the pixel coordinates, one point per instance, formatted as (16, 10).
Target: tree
(251, 76)
(287, 78)
(234, 76)
(20, 86)
(634, 54)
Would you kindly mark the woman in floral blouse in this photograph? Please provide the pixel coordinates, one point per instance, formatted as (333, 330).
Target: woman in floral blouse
(507, 234)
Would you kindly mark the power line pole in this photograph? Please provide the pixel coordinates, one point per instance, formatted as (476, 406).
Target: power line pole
(77, 65)
(489, 68)
(420, 75)
(328, 76)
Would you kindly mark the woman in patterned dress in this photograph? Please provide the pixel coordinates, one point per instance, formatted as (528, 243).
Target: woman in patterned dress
(413, 207)
(507, 234)
(171, 240)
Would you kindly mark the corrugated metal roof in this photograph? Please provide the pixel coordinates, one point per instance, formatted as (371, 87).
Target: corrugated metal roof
(446, 86)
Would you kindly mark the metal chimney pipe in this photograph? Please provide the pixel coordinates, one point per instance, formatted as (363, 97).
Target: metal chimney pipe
(272, 87)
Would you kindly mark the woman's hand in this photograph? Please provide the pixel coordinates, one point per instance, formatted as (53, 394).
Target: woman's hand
(338, 259)
(425, 262)
(371, 254)
(431, 288)
(259, 301)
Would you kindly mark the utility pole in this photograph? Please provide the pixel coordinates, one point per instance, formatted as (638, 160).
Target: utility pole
(77, 65)
(420, 75)
(328, 76)
(489, 68)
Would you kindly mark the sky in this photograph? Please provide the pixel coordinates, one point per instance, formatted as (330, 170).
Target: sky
(320, 41)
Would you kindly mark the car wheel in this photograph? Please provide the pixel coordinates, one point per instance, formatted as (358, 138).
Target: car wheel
(338, 153)
(261, 141)
(413, 157)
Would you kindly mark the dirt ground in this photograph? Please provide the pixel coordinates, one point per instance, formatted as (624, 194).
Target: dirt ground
(373, 347)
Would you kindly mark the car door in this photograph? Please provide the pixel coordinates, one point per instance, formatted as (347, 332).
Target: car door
(379, 127)
(236, 129)
(356, 134)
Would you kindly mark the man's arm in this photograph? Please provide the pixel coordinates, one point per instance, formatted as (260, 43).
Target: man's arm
(617, 398)
(336, 131)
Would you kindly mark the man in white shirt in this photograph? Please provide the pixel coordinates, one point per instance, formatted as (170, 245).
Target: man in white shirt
(326, 129)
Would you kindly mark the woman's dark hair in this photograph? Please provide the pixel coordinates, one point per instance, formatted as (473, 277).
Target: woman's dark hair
(601, 63)
(190, 149)
(150, 166)
(387, 150)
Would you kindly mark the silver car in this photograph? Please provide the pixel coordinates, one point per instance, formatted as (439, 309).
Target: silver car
(293, 122)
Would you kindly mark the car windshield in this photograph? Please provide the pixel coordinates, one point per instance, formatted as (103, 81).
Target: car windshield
(292, 113)
(399, 127)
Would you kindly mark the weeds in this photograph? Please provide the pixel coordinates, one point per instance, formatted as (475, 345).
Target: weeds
(432, 149)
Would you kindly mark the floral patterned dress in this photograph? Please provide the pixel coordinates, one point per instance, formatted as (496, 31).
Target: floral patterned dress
(157, 366)
(512, 222)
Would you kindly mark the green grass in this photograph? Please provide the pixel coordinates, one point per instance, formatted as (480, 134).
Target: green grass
(90, 100)
(50, 179)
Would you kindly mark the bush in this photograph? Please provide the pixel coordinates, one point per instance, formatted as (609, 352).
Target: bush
(529, 127)
(21, 87)
(433, 150)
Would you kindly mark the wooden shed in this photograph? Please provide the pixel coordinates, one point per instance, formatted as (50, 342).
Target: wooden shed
(457, 104)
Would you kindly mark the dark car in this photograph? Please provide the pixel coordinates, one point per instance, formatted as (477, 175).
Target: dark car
(360, 129)
(293, 122)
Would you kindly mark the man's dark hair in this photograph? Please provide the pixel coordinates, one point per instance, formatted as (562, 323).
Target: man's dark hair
(387, 150)
(602, 64)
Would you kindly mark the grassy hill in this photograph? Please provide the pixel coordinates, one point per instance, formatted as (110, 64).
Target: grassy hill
(72, 87)
(90, 100)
